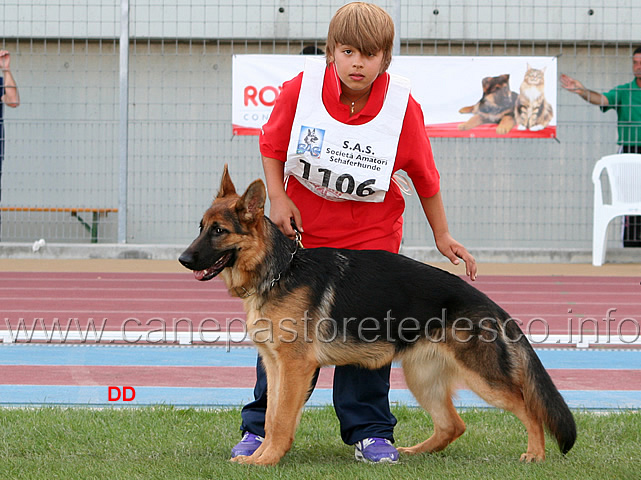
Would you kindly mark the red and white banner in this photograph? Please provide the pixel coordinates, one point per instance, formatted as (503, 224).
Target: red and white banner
(519, 100)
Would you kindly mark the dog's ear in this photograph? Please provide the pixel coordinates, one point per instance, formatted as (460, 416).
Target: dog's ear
(251, 205)
(226, 185)
(486, 83)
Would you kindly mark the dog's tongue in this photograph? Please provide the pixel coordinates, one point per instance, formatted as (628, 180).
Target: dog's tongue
(200, 274)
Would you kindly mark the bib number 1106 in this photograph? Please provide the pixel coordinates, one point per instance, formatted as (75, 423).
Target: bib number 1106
(344, 183)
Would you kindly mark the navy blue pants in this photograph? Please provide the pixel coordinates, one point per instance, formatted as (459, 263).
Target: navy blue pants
(360, 401)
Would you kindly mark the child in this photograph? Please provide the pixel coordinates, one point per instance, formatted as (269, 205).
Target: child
(338, 132)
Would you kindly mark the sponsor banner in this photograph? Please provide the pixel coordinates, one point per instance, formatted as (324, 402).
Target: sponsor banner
(513, 97)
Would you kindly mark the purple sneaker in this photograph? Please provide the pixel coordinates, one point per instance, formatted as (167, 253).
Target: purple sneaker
(376, 450)
(247, 445)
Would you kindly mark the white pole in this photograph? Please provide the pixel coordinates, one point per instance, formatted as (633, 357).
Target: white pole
(396, 16)
(123, 124)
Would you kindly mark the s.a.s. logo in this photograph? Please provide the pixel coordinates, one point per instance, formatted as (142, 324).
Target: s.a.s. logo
(310, 140)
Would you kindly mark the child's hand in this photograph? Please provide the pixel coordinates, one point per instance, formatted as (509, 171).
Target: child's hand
(455, 251)
(282, 211)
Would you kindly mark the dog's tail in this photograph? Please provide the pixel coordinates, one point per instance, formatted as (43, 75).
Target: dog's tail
(545, 401)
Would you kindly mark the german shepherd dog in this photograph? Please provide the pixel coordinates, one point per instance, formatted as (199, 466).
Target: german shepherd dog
(323, 306)
(495, 106)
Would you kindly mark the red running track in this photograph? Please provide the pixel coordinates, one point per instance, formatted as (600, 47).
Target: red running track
(245, 377)
(175, 302)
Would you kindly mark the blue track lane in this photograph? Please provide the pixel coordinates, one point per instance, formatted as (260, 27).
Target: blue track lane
(131, 355)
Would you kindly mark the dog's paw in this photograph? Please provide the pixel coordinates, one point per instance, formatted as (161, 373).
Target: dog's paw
(531, 458)
(407, 450)
(239, 459)
(264, 459)
(245, 460)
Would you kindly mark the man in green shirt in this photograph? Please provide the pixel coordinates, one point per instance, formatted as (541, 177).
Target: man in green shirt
(626, 101)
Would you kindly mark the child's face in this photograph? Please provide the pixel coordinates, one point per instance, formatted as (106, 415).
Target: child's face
(357, 70)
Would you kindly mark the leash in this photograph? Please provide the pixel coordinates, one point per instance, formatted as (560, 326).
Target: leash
(299, 236)
(298, 244)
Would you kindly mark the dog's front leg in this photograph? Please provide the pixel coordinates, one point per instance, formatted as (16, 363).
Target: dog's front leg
(475, 121)
(295, 378)
(284, 407)
(505, 125)
(271, 371)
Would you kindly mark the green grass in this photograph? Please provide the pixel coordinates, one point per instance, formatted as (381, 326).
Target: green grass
(166, 443)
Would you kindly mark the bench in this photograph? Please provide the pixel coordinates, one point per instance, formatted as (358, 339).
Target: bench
(91, 225)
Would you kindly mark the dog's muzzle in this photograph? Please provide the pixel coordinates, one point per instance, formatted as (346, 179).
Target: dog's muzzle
(192, 262)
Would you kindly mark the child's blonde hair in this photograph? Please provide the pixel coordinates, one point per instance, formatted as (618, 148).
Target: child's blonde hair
(365, 26)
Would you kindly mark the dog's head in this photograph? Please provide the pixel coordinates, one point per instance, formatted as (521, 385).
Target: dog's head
(311, 137)
(226, 229)
(495, 84)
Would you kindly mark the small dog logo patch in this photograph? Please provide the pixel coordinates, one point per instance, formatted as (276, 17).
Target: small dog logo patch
(310, 140)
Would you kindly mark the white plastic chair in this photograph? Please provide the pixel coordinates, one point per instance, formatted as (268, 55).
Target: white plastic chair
(624, 175)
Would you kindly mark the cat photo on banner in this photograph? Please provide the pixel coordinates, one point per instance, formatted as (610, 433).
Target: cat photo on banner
(532, 111)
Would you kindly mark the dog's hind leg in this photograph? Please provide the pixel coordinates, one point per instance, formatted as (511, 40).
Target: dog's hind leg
(431, 379)
(469, 109)
(511, 398)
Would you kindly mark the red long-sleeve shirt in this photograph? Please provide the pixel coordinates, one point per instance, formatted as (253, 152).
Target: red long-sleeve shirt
(352, 224)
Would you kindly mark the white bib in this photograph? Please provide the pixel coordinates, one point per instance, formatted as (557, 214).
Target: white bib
(339, 161)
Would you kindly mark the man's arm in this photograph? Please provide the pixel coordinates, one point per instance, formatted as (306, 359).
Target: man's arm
(11, 97)
(573, 85)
